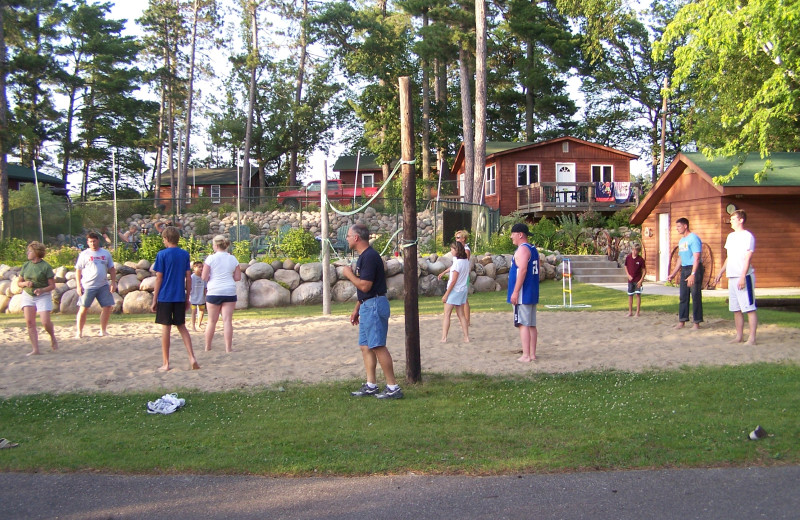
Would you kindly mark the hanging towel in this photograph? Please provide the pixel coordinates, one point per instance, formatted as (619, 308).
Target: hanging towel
(604, 192)
(622, 192)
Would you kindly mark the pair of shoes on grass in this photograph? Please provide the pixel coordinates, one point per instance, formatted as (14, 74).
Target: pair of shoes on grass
(167, 404)
(366, 391)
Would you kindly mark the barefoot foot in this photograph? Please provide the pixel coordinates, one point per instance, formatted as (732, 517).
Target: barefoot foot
(54, 344)
(679, 326)
(524, 359)
(195, 366)
(102, 333)
(628, 315)
(33, 353)
(696, 326)
(164, 368)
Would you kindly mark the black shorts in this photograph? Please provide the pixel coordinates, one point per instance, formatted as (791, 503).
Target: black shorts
(219, 300)
(171, 313)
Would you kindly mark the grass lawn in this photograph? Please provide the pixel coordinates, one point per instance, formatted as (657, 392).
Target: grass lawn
(466, 424)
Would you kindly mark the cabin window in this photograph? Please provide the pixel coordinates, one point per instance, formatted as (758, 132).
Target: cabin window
(200, 191)
(490, 179)
(215, 197)
(368, 180)
(602, 173)
(565, 147)
(527, 174)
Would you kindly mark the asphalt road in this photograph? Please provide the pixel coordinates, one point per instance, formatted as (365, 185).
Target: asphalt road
(726, 493)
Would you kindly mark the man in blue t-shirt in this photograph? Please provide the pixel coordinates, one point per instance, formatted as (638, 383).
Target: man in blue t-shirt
(371, 314)
(523, 290)
(170, 303)
(691, 269)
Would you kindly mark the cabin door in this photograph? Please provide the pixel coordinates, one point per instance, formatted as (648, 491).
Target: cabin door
(663, 247)
(565, 182)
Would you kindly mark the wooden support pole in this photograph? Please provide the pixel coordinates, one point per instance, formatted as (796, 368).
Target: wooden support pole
(326, 250)
(413, 365)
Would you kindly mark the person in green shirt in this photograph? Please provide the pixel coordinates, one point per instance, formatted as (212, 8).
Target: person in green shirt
(37, 281)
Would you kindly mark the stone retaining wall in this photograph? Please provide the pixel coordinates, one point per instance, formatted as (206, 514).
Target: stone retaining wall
(277, 284)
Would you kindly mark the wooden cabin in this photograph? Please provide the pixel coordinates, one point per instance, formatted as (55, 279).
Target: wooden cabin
(19, 176)
(686, 189)
(220, 184)
(369, 172)
(564, 175)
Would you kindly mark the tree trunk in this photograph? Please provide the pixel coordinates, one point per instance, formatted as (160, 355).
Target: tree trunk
(3, 129)
(159, 150)
(440, 93)
(298, 97)
(480, 99)
(426, 111)
(529, 100)
(466, 121)
(189, 98)
(251, 103)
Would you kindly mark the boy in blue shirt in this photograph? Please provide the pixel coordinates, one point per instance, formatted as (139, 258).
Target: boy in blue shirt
(170, 302)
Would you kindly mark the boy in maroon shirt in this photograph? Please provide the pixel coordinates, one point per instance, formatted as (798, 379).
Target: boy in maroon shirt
(635, 269)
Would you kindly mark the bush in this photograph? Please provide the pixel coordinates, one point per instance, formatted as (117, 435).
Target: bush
(299, 243)
(13, 251)
(224, 209)
(254, 228)
(241, 250)
(198, 251)
(150, 246)
(621, 218)
(63, 256)
(200, 205)
(201, 226)
(124, 253)
(500, 243)
(544, 233)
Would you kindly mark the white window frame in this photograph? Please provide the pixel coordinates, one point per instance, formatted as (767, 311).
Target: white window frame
(215, 194)
(528, 167)
(490, 180)
(368, 180)
(602, 169)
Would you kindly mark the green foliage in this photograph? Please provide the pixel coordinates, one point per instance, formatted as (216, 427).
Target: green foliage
(200, 205)
(621, 218)
(64, 256)
(225, 208)
(241, 250)
(201, 226)
(544, 234)
(571, 238)
(299, 243)
(13, 251)
(500, 243)
(150, 246)
(198, 251)
(124, 253)
(592, 219)
(254, 228)
(54, 209)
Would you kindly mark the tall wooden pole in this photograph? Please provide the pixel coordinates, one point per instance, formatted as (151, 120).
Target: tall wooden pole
(326, 251)
(413, 365)
(663, 128)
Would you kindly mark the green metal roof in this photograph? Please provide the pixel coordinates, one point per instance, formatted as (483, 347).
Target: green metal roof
(366, 162)
(24, 174)
(207, 176)
(785, 169)
(504, 146)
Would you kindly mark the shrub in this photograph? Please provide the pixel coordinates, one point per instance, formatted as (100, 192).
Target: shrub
(544, 233)
(63, 256)
(224, 209)
(124, 253)
(200, 205)
(13, 251)
(254, 228)
(150, 246)
(500, 243)
(299, 243)
(198, 251)
(621, 218)
(241, 250)
(201, 226)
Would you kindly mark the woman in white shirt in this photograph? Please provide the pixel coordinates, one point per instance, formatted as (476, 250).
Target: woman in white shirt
(221, 272)
(456, 294)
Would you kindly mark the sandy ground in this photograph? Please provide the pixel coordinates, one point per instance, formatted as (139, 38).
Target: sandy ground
(324, 348)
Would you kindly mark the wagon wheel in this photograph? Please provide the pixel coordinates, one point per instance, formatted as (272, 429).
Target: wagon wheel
(625, 248)
(707, 257)
(602, 242)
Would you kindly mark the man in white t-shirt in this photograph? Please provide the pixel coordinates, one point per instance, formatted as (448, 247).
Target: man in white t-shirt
(740, 247)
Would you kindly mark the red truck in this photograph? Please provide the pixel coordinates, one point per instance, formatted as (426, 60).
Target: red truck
(311, 194)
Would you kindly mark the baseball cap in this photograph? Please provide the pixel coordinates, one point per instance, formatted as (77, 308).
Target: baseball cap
(520, 228)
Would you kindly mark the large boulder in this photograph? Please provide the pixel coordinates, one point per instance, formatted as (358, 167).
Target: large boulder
(148, 284)
(435, 267)
(309, 293)
(546, 272)
(393, 267)
(502, 281)
(484, 284)
(61, 274)
(137, 302)
(141, 274)
(343, 291)
(260, 271)
(267, 294)
(143, 264)
(15, 304)
(430, 285)
(5, 287)
(242, 293)
(490, 270)
(395, 287)
(288, 277)
(4, 302)
(501, 264)
(127, 284)
(311, 272)
(69, 302)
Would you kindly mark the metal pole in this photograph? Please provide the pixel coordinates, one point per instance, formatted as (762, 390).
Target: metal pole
(410, 278)
(238, 194)
(326, 250)
(114, 182)
(355, 186)
(38, 202)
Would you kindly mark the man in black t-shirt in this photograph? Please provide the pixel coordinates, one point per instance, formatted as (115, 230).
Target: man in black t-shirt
(371, 314)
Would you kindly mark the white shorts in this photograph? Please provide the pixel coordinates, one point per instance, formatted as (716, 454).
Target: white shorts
(43, 302)
(525, 315)
(742, 300)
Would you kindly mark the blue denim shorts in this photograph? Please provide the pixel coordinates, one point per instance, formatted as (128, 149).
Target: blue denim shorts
(373, 322)
(103, 295)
